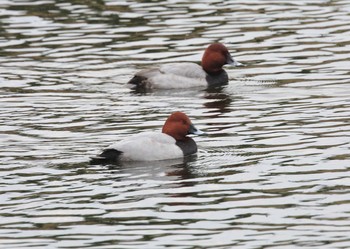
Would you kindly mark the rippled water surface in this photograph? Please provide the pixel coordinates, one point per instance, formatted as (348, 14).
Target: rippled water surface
(272, 172)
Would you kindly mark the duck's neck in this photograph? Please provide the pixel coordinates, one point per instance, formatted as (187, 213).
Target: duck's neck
(217, 79)
(188, 146)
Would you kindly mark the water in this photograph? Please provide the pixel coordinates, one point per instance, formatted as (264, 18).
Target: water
(273, 171)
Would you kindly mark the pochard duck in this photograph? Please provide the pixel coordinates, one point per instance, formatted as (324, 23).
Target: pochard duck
(188, 74)
(171, 143)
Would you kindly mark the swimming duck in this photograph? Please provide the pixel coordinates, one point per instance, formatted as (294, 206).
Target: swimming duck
(188, 74)
(171, 143)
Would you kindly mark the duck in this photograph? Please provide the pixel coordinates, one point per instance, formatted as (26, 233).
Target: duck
(188, 74)
(171, 143)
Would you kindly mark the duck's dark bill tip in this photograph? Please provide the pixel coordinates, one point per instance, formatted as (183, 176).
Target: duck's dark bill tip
(199, 132)
(193, 130)
(237, 64)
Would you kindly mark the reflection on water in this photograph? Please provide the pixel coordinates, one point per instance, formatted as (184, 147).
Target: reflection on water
(273, 170)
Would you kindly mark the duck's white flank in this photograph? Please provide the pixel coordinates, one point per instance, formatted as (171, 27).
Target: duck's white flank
(175, 75)
(146, 147)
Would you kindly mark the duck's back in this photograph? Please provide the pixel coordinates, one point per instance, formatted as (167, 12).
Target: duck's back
(148, 146)
(173, 75)
(185, 69)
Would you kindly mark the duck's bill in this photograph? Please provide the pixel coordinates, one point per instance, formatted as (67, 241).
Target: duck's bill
(195, 131)
(237, 64)
(233, 62)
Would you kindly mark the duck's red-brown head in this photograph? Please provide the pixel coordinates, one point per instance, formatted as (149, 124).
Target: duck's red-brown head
(215, 57)
(178, 125)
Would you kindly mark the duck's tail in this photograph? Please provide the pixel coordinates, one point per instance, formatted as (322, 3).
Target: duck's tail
(107, 156)
(138, 81)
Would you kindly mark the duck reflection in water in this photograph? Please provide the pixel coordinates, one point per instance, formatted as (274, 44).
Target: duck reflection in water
(171, 171)
(217, 100)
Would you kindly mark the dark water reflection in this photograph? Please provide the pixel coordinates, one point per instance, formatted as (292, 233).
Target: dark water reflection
(273, 171)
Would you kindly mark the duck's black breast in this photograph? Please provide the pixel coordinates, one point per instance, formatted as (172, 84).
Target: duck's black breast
(188, 146)
(217, 79)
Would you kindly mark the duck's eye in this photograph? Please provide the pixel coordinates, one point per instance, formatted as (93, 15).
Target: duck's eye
(184, 122)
